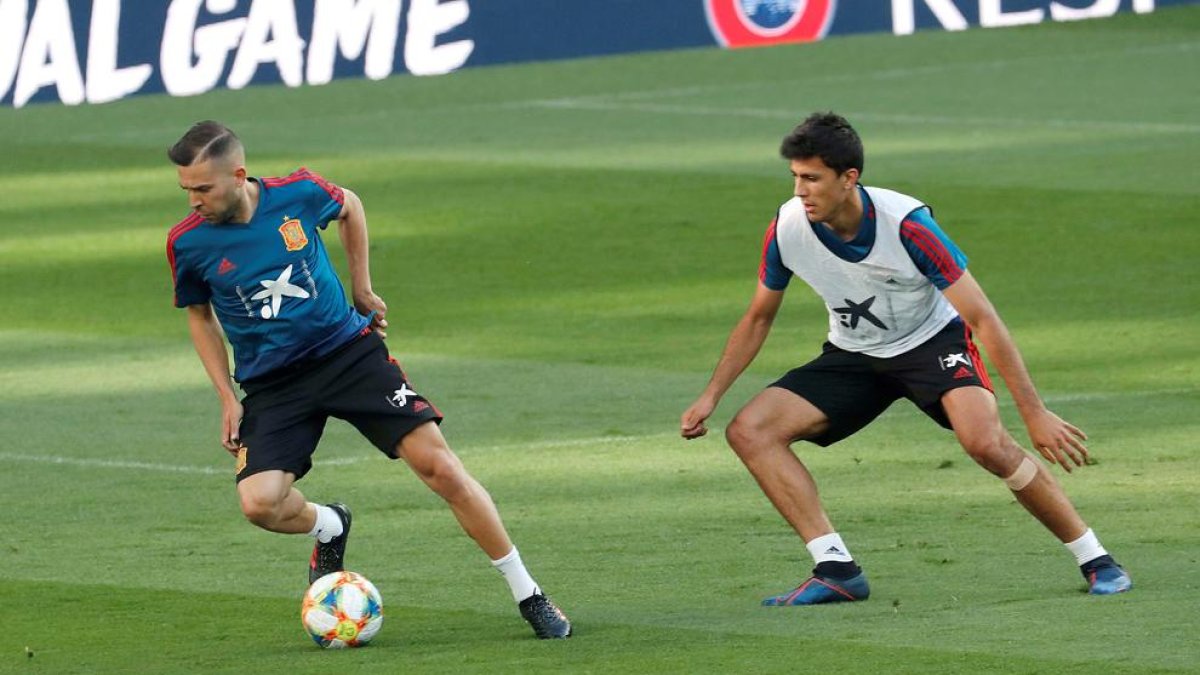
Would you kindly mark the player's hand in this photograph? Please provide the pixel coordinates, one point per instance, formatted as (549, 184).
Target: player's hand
(691, 423)
(373, 306)
(1059, 441)
(231, 424)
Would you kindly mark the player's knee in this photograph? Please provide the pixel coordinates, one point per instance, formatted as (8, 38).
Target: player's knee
(743, 435)
(262, 512)
(749, 434)
(994, 451)
(446, 476)
(454, 488)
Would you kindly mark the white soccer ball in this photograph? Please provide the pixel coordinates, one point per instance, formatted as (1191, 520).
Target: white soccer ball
(342, 609)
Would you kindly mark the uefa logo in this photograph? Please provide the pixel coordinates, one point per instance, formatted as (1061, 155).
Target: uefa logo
(753, 23)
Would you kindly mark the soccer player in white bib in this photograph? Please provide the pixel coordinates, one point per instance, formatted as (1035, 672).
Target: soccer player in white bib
(902, 313)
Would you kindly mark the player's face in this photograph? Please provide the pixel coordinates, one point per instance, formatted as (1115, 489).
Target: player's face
(825, 192)
(214, 188)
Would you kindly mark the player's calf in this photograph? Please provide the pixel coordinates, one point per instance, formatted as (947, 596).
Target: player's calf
(1103, 574)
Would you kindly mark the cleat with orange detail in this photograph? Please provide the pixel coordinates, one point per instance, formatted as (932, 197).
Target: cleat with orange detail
(1105, 576)
(817, 590)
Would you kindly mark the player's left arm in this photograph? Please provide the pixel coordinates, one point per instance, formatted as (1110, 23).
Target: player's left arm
(1056, 439)
(352, 230)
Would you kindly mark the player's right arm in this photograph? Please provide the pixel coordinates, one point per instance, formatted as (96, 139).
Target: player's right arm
(210, 346)
(743, 345)
(352, 228)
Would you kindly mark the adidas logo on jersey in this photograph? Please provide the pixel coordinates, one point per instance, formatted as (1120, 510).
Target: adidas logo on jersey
(963, 373)
(226, 266)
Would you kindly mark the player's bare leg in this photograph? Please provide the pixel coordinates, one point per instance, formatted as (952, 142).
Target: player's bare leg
(430, 457)
(976, 420)
(269, 501)
(761, 434)
(426, 451)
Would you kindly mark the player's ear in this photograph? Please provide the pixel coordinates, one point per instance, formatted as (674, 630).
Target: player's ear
(850, 178)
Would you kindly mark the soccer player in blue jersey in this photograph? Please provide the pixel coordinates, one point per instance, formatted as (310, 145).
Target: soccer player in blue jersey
(902, 312)
(249, 262)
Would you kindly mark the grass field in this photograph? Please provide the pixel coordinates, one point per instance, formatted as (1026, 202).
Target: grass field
(564, 248)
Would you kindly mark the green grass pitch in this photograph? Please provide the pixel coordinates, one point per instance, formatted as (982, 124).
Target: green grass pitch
(564, 248)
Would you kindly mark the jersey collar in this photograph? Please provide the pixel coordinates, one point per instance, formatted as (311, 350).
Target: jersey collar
(860, 246)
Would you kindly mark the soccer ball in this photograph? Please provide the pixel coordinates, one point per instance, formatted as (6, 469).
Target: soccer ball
(342, 609)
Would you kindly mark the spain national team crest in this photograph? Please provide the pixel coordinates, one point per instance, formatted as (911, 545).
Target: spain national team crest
(293, 235)
(754, 23)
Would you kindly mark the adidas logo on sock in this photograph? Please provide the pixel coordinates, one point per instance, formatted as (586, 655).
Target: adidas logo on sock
(833, 550)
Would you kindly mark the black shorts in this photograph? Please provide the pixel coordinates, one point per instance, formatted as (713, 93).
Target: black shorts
(285, 411)
(852, 388)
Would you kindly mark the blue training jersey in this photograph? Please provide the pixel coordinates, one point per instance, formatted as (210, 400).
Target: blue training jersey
(270, 281)
(938, 258)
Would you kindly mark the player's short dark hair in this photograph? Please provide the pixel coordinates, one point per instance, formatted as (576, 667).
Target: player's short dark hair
(205, 140)
(828, 136)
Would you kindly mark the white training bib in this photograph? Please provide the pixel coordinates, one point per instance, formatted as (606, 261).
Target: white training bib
(882, 305)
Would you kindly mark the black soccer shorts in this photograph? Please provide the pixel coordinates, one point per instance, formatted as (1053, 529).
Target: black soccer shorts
(852, 389)
(285, 411)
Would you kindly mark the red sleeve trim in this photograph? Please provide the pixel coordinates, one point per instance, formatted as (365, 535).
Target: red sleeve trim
(932, 247)
(184, 226)
(767, 239)
(336, 193)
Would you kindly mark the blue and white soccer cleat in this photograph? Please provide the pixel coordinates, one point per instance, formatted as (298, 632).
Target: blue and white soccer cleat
(1105, 576)
(820, 590)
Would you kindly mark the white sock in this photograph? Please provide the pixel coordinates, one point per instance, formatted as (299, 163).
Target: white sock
(328, 524)
(829, 548)
(519, 582)
(1086, 548)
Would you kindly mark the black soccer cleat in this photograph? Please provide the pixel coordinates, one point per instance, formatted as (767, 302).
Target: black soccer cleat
(547, 620)
(331, 557)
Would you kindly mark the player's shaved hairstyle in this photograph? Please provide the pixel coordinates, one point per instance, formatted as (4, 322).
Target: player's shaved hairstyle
(205, 140)
(828, 136)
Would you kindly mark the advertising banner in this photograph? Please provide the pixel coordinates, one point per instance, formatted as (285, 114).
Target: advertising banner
(78, 51)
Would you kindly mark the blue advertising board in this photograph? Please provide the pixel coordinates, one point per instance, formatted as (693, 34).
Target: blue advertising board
(81, 51)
